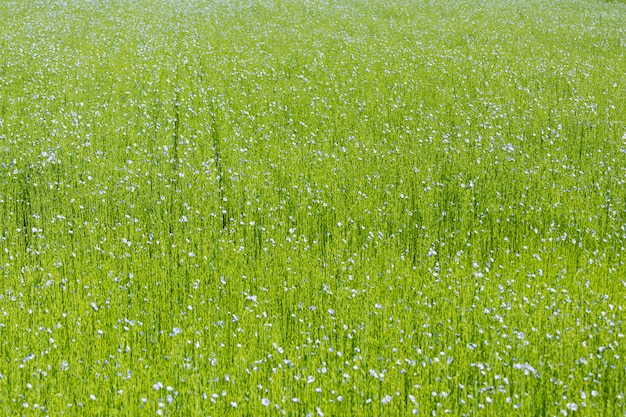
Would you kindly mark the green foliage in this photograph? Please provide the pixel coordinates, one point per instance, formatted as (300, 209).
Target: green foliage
(339, 208)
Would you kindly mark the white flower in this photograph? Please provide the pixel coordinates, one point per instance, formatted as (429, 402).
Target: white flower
(265, 402)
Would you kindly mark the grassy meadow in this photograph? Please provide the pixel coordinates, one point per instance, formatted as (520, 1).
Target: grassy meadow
(312, 208)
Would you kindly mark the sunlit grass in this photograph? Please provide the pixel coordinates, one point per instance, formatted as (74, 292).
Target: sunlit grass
(324, 208)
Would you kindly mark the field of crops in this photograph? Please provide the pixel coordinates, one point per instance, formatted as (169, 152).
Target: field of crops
(311, 208)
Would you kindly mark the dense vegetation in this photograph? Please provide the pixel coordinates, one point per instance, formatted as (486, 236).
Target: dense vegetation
(310, 207)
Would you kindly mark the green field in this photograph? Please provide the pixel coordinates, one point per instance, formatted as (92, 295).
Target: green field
(324, 208)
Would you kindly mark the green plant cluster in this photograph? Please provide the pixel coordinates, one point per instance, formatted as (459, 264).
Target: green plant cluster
(293, 207)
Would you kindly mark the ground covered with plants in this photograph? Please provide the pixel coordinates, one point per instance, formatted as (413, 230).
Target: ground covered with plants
(302, 207)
